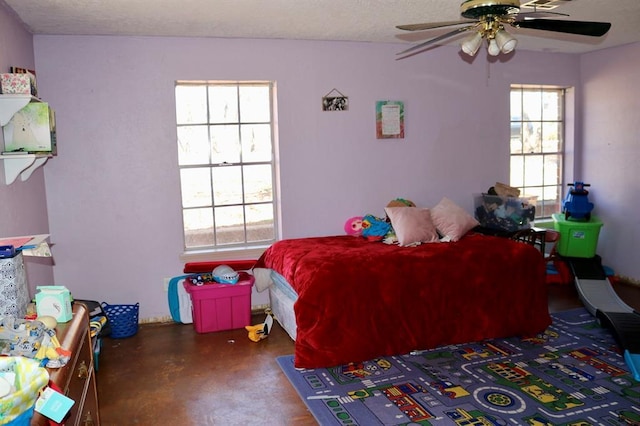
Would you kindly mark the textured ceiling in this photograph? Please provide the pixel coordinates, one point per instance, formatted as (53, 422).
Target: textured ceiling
(352, 20)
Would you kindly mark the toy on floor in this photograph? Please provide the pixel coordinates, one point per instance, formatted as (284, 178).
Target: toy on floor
(261, 331)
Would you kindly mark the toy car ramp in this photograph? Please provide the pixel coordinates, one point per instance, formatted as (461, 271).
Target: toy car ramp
(626, 330)
(601, 300)
(599, 295)
(594, 289)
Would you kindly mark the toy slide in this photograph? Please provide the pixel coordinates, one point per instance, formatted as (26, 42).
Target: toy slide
(601, 300)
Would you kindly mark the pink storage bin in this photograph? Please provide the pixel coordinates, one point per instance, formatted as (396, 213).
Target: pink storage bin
(218, 307)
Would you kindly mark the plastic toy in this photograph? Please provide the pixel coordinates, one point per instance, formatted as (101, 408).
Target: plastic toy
(261, 331)
(576, 204)
(225, 274)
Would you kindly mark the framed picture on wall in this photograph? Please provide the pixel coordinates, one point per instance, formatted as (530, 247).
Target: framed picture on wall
(390, 120)
(335, 101)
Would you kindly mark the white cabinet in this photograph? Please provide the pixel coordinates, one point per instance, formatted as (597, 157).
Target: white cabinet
(15, 165)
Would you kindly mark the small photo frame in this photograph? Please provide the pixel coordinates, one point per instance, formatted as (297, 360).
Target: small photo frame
(335, 101)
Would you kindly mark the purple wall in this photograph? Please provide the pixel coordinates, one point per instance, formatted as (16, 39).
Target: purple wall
(113, 191)
(22, 204)
(611, 151)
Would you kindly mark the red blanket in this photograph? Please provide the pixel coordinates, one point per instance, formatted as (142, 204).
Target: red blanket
(358, 300)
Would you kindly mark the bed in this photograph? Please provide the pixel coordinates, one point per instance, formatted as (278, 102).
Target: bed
(346, 299)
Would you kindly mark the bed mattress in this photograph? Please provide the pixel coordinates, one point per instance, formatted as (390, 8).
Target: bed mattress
(282, 298)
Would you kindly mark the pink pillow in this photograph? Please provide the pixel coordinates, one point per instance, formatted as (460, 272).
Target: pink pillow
(451, 220)
(412, 225)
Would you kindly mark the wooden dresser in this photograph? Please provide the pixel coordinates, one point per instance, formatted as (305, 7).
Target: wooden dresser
(77, 379)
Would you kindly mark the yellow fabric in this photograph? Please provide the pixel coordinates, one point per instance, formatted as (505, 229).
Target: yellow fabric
(30, 380)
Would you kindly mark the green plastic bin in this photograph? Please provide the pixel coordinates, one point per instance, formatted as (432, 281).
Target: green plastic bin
(578, 238)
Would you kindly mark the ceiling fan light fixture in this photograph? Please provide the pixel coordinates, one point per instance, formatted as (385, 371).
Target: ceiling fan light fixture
(487, 19)
(471, 44)
(493, 48)
(505, 41)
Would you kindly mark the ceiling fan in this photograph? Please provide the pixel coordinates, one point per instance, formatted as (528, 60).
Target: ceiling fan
(486, 19)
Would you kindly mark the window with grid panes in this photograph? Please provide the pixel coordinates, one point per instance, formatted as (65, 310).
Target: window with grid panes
(537, 145)
(226, 159)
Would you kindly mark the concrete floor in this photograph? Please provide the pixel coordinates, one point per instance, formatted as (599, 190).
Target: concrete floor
(167, 374)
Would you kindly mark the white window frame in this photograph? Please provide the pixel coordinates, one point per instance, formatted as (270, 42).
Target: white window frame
(545, 206)
(246, 250)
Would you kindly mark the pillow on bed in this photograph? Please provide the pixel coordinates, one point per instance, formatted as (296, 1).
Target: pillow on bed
(412, 225)
(451, 220)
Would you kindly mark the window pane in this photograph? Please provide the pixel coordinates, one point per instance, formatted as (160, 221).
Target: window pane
(533, 170)
(260, 224)
(193, 145)
(516, 105)
(516, 138)
(532, 105)
(227, 185)
(551, 133)
(551, 169)
(223, 104)
(532, 141)
(258, 184)
(196, 187)
(256, 143)
(551, 192)
(229, 225)
(551, 106)
(225, 144)
(191, 104)
(198, 227)
(517, 171)
(254, 104)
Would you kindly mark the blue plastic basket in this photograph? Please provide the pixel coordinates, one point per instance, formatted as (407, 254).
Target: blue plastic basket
(123, 319)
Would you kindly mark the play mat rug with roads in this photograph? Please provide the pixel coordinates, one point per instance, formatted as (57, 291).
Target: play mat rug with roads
(572, 374)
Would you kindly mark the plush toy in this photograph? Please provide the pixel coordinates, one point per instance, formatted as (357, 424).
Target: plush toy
(260, 331)
(353, 226)
(401, 202)
(374, 228)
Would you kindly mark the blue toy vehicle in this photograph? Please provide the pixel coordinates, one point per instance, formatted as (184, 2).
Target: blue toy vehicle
(576, 204)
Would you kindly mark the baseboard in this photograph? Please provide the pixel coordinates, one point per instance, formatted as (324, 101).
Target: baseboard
(155, 320)
(255, 310)
(259, 309)
(629, 280)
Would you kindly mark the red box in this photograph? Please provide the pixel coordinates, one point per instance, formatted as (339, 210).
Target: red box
(218, 307)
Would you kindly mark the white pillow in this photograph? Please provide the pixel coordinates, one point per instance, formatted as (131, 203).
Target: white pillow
(412, 225)
(451, 220)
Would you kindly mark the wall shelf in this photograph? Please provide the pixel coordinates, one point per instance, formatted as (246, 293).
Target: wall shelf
(22, 165)
(10, 104)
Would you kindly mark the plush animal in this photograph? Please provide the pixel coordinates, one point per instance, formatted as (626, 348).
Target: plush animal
(353, 226)
(260, 331)
(401, 202)
(374, 228)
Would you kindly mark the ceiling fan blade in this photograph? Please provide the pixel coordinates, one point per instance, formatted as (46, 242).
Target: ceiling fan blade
(428, 26)
(593, 29)
(420, 46)
(540, 14)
